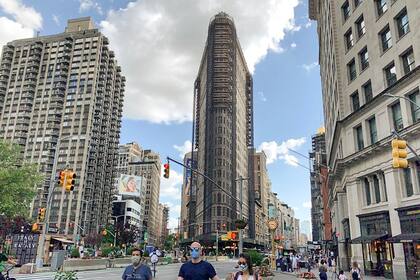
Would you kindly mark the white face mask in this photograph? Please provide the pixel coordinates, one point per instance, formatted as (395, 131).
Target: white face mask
(243, 267)
(135, 260)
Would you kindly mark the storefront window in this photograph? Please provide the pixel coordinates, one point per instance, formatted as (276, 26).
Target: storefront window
(412, 259)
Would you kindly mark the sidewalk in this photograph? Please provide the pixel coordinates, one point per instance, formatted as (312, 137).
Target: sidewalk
(278, 275)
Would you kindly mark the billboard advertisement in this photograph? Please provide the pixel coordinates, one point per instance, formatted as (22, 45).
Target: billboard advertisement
(129, 185)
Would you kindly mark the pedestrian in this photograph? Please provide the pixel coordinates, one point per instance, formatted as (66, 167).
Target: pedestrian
(246, 271)
(341, 275)
(323, 267)
(323, 275)
(196, 268)
(137, 270)
(355, 272)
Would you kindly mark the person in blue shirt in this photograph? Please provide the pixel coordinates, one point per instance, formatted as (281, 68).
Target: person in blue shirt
(137, 270)
(196, 268)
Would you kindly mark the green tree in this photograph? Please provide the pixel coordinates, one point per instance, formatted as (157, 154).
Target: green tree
(18, 181)
(170, 242)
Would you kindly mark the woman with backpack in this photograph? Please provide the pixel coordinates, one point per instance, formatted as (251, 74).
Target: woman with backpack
(246, 271)
(355, 272)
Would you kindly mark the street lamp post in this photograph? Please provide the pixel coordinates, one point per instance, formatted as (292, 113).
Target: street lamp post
(402, 97)
(116, 229)
(41, 244)
(85, 218)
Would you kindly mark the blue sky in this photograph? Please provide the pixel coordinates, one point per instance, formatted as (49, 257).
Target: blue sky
(159, 44)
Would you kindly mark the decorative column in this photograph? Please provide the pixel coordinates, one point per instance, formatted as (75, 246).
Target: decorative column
(354, 207)
(394, 196)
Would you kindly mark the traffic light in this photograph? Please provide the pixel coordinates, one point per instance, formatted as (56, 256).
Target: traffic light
(166, 170)
(41, 214)
(35, 227)
(70, 180)
(399, 154)
(61, 177)
(232, 235)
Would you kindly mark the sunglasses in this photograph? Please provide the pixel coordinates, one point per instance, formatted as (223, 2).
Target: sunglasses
(241, 263)
(195, 249)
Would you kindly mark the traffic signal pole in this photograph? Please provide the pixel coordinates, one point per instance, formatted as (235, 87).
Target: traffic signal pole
(41, 243)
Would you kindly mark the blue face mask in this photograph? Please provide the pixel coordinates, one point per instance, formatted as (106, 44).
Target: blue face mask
(195, 254)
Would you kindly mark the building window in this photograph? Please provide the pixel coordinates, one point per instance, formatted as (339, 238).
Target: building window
(372, 130)
(357, 2)
(348, 37)
(359, 138)
(346, 10)
(408, 61)
(390, 74)
(377, 189)
(360, 25)
(355, 101)
(351, 66)
(367, 191)
(397, 116)
(367, 90)
(402, 23)
(386, 40)
(381, 7)
(364, 58)
(415, 110)
(408, 183)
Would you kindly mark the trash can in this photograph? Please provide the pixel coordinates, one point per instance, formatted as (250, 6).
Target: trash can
(57, 259)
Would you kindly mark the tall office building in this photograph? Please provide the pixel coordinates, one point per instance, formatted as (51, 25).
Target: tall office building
(320, 211)
(370, 87)
(188, 196)
(65, 92)
(262, 189)
(149, 168)
(224, 129)
(130, 152)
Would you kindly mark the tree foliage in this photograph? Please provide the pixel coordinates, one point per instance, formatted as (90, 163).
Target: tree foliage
(18, 181)
(94, 239)
(170, 242)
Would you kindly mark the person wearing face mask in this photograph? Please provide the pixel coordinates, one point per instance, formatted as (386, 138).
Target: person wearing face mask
(137, 270)
(196, 268)
(246, 271)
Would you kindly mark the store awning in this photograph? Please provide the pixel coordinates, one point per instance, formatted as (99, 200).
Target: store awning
(63, 240)
(405, 237)
(369, 238)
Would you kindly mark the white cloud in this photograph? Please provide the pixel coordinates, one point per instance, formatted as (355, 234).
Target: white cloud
(21, 21)
(56, 19)
(159, 44)
(87, 5)
(307, 204)
(275, 151)
(172, 223)
(28, 17)
(184, 148)
(293, 45)
(310, 67)
(308, 23)
(262, 96)
(171, 187)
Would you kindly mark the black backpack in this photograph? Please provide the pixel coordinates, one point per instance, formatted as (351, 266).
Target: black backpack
(355, 275)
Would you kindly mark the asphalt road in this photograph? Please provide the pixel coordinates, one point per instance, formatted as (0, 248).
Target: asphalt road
(164, 272)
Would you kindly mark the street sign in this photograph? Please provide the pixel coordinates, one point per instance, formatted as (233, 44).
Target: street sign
(52, 230)
(24, 247)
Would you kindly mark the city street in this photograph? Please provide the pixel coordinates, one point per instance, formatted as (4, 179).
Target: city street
(166, 272)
